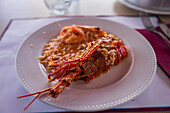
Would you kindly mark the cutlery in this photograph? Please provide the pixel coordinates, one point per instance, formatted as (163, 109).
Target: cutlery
(164, 27)
(149, 26)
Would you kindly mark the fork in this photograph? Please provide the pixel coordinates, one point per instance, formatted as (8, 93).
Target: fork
(149, 26)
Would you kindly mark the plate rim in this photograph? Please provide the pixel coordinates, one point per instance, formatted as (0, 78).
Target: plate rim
(105, 106)
(138, 8)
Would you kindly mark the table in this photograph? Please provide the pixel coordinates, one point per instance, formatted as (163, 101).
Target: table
(34, 9)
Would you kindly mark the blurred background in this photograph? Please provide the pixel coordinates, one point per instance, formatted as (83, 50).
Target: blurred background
(22, 9)
(11, 9)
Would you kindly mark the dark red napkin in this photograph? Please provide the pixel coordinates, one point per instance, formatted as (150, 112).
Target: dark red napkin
(161, 49)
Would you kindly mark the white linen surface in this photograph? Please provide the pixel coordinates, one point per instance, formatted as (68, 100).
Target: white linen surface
(157, 95)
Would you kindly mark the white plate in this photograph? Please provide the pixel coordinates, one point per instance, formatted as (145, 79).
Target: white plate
(123, 83)
(144, 6)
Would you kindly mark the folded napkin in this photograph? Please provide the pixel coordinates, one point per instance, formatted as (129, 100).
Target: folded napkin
(161, 49)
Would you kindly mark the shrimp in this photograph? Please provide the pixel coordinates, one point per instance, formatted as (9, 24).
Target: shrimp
(76, 33)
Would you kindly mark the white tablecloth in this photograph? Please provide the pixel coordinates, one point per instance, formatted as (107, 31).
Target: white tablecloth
(157, 95)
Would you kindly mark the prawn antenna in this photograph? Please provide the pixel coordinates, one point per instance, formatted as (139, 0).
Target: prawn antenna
(58, 24)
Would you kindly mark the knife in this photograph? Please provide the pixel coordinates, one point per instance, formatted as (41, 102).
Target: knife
(164, 27)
